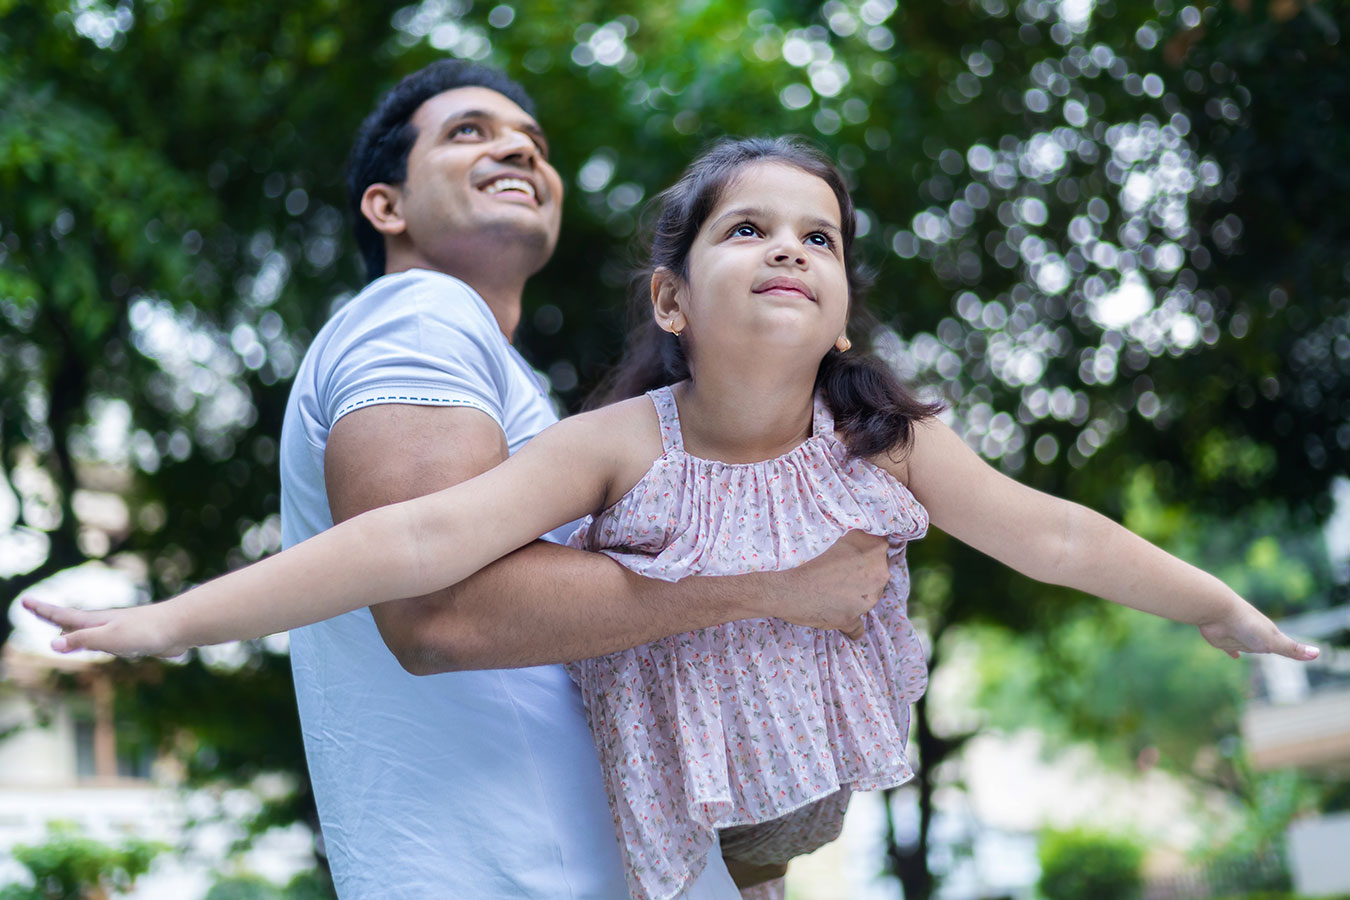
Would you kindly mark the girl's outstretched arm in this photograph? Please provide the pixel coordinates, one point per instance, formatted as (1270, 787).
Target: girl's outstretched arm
(404, 550)
(1063, 543)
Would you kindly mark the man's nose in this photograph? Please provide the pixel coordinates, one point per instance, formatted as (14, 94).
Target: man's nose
(518, 147)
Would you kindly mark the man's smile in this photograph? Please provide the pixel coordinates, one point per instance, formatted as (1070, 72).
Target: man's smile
(513, 186)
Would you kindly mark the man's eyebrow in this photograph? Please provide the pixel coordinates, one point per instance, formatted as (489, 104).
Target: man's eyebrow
(529, 127)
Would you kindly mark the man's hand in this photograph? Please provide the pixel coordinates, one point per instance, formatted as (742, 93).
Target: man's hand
(837, 588)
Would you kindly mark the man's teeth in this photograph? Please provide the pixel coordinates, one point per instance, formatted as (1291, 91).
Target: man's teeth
(509, 184)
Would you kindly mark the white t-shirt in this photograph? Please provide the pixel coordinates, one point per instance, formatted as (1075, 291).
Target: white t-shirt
(463, 785)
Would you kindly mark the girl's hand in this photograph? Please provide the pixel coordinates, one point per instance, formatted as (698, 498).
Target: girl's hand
(1245, 629)
(129, 631)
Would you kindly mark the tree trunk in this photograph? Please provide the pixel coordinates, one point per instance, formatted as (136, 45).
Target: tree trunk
(909, 862)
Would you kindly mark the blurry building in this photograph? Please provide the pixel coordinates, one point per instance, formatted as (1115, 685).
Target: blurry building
(1300, 718)
(62, 760)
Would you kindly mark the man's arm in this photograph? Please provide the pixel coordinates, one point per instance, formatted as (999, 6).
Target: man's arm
(545, 603)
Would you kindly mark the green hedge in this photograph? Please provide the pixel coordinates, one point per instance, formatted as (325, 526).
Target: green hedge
(1086, 865)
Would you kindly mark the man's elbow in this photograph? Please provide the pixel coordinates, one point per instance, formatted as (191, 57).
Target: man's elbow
(425, 644)
(419, 661)
(420, 657)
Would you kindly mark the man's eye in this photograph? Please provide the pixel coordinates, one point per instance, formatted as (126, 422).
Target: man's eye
(467, 129)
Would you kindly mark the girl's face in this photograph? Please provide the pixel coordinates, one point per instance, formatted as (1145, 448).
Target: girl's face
(766, 270)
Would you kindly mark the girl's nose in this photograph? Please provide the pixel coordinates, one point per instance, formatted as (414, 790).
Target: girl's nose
(783, 258)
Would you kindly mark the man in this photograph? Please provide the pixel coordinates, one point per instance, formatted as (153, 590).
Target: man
(483, 781)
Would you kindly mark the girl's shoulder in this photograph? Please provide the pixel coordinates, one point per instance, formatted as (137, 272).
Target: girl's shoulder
(897, 460)
(630, 433)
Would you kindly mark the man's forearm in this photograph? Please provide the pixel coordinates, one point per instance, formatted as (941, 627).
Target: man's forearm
(547, 604)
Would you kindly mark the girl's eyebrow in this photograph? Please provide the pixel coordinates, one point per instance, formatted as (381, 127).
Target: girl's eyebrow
(752, 212)
(742, 212)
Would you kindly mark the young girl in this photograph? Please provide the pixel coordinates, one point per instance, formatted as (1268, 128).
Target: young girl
(765, 439)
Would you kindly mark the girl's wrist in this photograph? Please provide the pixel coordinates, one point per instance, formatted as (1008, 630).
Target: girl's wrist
(167, 627)
(1225, 605)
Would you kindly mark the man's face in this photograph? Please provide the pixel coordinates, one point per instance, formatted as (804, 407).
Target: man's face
(478, 177)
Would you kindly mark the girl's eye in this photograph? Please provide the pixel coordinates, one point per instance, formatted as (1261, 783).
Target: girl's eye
(820, 239)
(745, 229)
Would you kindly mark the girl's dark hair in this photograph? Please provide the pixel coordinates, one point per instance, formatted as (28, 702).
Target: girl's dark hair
(380, 151)
(873, 411)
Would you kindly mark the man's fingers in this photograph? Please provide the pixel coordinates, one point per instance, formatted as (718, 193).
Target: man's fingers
(854, 632)
(863, 539)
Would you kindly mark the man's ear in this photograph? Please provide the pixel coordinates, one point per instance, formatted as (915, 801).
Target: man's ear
(666, 297)
(382, 205)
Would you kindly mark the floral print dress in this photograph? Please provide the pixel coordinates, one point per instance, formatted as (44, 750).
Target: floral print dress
(751, 723)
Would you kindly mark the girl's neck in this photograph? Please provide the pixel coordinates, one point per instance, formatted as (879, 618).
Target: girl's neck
(744, 419)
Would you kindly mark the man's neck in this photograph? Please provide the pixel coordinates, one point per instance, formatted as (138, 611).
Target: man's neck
(502, 298)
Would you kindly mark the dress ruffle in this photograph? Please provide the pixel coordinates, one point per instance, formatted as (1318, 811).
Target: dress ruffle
(746, 722)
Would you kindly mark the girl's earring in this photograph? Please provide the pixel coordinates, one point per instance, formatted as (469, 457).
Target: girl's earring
(843, 344)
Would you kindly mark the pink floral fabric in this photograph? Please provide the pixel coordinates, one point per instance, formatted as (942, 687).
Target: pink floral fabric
(747, 722)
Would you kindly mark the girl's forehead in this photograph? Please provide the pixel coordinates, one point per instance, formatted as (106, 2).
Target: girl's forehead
(781, 189)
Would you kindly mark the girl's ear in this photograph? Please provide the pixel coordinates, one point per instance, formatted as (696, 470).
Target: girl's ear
(382, 205)
(666, 301)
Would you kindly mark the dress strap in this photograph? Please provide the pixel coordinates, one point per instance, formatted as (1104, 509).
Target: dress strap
(668, 414)
(822, 420)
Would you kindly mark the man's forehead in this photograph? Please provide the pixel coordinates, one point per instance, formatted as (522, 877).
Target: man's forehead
(472, 99)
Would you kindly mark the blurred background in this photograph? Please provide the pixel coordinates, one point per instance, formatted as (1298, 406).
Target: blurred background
(1111, 236)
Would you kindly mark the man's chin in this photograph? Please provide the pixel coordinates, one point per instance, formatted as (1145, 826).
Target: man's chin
(521, 240)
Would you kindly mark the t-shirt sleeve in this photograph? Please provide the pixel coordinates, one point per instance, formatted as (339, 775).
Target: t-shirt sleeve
(431, 342)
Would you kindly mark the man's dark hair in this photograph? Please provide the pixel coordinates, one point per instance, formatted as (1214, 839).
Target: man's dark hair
(380, 153)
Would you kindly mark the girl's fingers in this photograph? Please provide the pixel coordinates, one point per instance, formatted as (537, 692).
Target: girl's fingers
(69, 642)
(79, 639)
(61, 616)
(1304, 651)
(1284, 645)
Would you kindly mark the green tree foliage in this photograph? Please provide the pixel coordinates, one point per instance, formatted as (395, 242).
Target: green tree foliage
(1107, 234)
(305, 886)
(70, 866)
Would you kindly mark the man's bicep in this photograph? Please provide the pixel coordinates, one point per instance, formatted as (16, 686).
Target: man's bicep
(393, 452)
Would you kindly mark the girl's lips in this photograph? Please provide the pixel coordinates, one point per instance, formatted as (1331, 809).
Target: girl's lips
(785, 286)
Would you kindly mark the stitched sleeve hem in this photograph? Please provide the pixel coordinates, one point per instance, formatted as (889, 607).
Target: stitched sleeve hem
(414, 396)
